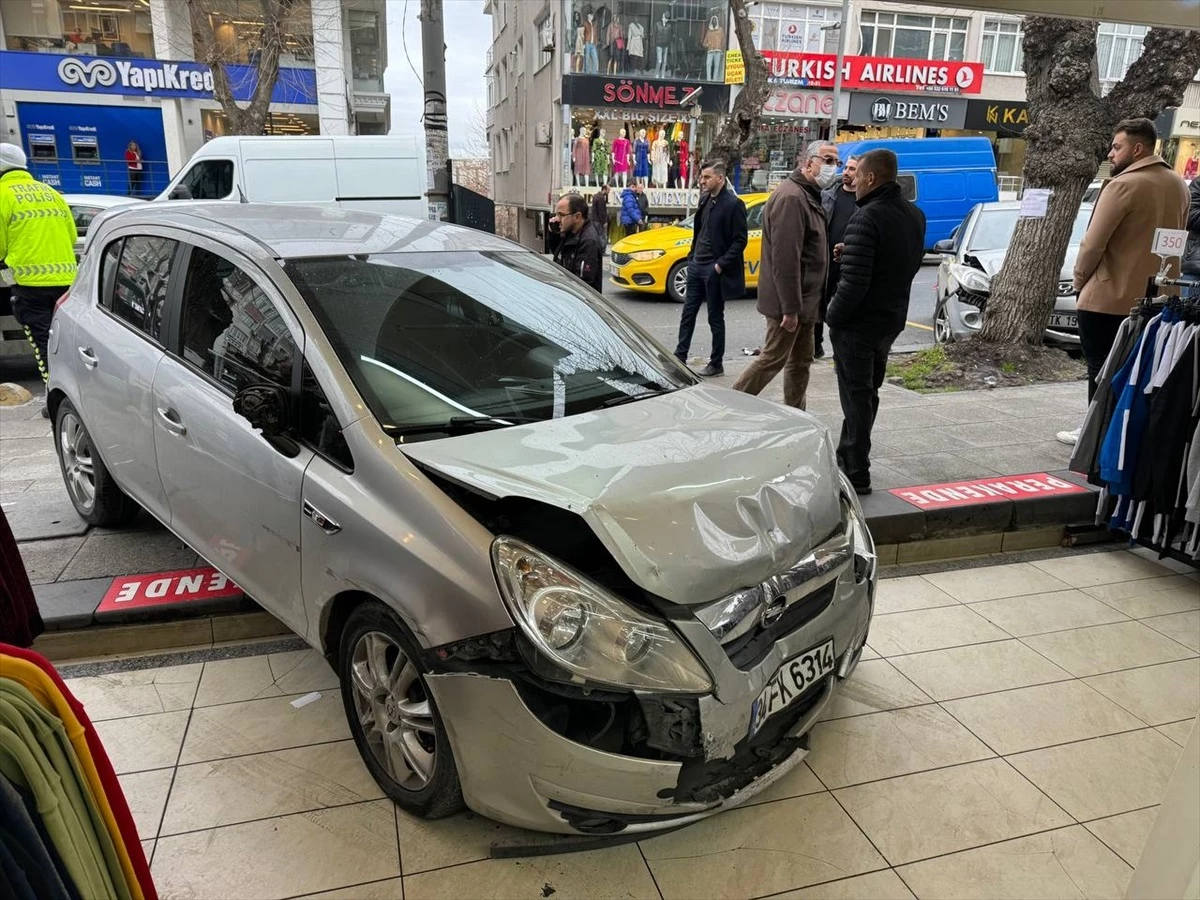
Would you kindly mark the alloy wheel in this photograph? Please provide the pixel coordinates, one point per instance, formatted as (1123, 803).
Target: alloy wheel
(941, 326)
(393, 709)
(79, 468)
(679, 281)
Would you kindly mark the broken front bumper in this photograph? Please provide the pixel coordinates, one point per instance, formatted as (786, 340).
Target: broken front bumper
(516, 768)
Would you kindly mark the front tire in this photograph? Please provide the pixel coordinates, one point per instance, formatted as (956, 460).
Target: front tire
(942, 333)
(96, 497)
(677, 282)
(392, 716)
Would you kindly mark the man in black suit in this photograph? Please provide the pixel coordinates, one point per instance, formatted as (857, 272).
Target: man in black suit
(715, 270)
(882, 252)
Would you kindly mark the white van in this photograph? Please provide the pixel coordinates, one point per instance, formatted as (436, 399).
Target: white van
(376, 174)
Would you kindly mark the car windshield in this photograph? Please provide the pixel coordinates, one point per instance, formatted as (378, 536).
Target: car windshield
(462, 338)
(994, 228)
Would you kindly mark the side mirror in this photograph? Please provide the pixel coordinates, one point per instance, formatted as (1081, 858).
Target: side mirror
(268, 409)
(946, 245)
(179, 192)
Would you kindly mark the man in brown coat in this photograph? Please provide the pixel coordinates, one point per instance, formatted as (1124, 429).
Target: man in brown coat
(1114, 260)
(791, 280)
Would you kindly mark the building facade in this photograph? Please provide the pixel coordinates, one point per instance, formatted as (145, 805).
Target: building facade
(81, 81)
(558, 66)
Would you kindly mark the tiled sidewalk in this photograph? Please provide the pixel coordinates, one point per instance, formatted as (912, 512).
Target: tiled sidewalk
(1010, 735)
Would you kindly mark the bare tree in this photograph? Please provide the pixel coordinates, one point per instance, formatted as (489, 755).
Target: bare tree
(279, 19)
(475, 144)
(1068, 137)
(740, 126)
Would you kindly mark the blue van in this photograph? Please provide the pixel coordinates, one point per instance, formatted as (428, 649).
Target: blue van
(945, 177)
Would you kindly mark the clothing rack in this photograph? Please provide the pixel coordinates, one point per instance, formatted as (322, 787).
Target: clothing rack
(1140, 441)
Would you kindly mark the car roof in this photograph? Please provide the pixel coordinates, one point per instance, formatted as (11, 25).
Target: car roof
(1016, 204)
(105, 200)
(291, 230)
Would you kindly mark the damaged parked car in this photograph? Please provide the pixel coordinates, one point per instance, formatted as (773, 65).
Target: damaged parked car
(561, 580)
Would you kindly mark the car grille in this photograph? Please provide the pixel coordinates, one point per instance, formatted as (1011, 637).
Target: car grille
(621, 259)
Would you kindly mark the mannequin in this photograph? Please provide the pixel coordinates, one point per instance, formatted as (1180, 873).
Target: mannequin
(591, 61)
(641, 154)
(600, 158)
(660, 154)
(581, 158)
(615, 42)
(714, 43)
(684, 163)
(636, 45)
(578, 44)
(662, 41)
(673, 170)
(621, 153)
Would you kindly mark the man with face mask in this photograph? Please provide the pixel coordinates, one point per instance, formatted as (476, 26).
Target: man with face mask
(791, 279)
(1114, 260)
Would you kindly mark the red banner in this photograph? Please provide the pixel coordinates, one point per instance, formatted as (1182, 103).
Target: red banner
(986, 490)
(875, 73)
(158, 588)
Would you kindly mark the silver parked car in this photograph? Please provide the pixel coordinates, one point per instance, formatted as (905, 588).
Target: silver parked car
(86, 207)
(973, 255)
(559, 578)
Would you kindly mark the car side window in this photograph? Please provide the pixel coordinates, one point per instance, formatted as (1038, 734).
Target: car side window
(139, 286)
(754, 217)
(209, 179)
(231, 329)
(83, 217)
(908, 186)
(319, 426)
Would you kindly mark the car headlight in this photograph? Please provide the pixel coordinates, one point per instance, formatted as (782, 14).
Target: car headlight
(647, 255)
(971, 278)
(585, 630)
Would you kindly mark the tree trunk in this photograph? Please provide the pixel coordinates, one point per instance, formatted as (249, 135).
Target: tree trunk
(1069, 135)
(739, 128)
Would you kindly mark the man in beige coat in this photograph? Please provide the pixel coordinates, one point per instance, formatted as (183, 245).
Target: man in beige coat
(1114, 260)
(791, 280)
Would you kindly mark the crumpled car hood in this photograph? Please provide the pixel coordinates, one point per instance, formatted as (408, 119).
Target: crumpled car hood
(695, 493)
(992, 260)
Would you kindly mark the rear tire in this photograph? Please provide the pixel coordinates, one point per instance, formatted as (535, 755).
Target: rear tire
(677, 282)
(93, 492)
(393, 718)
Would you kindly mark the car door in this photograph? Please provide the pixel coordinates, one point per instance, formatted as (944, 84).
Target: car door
(233, 497)
(753, 254)
(118, 347)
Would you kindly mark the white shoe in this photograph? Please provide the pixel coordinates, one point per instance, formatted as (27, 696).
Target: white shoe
(1068, 437)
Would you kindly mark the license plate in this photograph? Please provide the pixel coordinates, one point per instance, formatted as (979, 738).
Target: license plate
(793, 678)
(1064, 320)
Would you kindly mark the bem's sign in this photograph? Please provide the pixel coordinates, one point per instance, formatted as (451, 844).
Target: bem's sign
(874, 73)
(907, 111)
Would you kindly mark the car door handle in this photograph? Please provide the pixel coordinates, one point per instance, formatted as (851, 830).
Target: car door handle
(170, 420)
(321, 520)
(88, 357)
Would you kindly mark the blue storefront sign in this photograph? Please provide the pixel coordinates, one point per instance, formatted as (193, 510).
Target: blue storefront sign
(21, 71)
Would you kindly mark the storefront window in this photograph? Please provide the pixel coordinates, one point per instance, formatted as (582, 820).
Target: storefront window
(678, 39)
(620, 147)
(1117, 46)
(1002, 50)
(913, 37)
(795, 27)
(238, 31)
(68, 26)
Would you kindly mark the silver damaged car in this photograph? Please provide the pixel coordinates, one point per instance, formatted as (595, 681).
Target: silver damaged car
(561, 581)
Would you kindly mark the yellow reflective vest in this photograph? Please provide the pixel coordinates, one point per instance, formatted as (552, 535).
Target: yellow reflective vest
(37, 232)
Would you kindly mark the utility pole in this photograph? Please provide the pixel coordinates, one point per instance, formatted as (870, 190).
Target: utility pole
(437, 140)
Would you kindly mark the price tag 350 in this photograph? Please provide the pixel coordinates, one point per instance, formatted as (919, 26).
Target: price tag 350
(1169, 241)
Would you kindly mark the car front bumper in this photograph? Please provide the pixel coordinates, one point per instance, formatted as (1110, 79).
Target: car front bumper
(650, 278)
(516, 768)
(966, 319)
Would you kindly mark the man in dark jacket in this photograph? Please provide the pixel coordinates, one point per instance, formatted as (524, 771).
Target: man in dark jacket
(791, 279)
(643, 203)
(715, 271)
(579, 249)
(1190, 265)
(840, 203)
(880, 256)
(599, 216)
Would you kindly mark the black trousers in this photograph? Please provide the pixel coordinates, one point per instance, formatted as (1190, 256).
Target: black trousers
(33, 308)
(860, 361)
(1097, 333)
(703, 288)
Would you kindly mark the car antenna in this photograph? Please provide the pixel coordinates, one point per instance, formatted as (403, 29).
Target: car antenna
(241, 195)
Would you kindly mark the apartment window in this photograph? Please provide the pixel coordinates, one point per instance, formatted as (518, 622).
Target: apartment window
(519, 63)
(492, 98)
(1001, 50)
(795, 28)
(913, 37)
(545, 41)
(1117, 46)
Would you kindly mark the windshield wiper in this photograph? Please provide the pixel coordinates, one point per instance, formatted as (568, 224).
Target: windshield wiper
(459, 425)
(629, 398)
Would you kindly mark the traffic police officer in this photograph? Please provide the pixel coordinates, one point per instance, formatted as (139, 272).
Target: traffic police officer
(37, 244)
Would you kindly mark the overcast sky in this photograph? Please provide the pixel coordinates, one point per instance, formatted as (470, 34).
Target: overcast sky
(468, 35)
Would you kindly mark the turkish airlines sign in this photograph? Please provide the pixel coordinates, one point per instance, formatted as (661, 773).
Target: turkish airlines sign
(874, 73)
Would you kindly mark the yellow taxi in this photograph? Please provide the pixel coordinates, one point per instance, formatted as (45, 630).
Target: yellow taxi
(655, 261)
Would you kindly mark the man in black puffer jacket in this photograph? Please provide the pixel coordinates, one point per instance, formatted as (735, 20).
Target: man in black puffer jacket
(881, 254)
